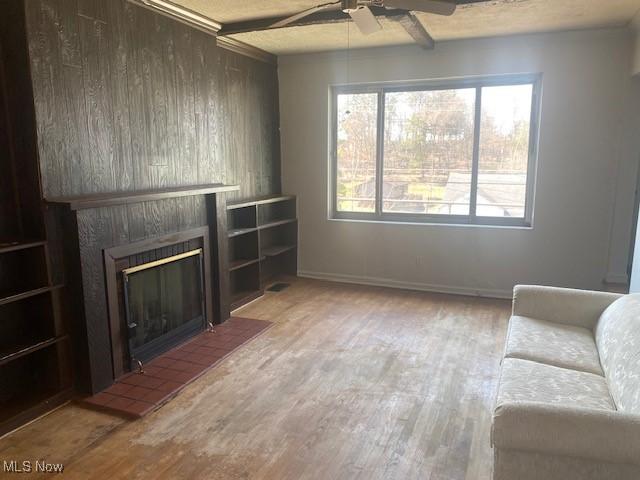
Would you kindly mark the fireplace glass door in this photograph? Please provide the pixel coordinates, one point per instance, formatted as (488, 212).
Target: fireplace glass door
(164, 304)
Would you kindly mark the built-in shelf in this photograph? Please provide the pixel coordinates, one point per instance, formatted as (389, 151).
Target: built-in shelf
(237, 264)
(9, 356)
(240, 231)
(35, 364)
(276, 250)
(259, 201)
(264, 227)
(276, 223)
(7, 246)
(10, 297)
(121, 198)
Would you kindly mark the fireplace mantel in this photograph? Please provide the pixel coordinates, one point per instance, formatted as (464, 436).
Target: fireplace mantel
(96, 200)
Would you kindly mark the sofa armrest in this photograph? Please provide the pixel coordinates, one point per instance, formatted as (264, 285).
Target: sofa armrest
(607, 436)
(581, 308)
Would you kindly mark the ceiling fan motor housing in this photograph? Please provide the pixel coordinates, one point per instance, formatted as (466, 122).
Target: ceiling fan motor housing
(349, 5)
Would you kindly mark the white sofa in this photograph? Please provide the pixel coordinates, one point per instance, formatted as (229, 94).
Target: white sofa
(568, 404)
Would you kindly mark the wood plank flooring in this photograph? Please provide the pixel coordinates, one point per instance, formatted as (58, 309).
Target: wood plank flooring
(351, 382)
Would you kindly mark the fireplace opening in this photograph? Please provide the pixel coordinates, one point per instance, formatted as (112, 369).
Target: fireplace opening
(164, 304)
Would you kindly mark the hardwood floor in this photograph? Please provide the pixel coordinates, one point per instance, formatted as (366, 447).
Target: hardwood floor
(352, 382)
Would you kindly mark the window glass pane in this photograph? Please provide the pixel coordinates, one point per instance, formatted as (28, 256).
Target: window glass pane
(428, 151)
(356, 148)
(504, 151)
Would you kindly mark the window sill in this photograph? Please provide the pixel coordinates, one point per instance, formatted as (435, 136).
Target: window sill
(432, 224)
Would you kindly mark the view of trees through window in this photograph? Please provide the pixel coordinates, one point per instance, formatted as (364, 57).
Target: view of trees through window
(356, 172)
(427, 153)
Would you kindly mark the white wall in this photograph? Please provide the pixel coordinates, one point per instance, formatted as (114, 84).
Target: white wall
(587, 145)
(635, 25)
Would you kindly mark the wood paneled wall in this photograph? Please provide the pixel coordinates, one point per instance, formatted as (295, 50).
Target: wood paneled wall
(130, 100)
(127, 99)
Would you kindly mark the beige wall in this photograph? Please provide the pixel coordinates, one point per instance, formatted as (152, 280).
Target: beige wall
(585, 180)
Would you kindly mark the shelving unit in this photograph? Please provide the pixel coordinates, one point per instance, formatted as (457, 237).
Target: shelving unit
(263, 244)
(35, 367)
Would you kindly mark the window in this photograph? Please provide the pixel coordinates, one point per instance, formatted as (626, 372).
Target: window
(454, 152)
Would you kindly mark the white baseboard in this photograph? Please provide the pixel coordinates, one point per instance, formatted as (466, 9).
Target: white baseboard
(424, 287)
(617, 278)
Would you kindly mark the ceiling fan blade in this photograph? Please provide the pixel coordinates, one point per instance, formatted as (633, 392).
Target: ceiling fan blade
(439, 7)
(366, 21)
(305, 13)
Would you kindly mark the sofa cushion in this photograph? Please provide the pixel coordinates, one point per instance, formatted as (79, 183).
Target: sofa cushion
(618, 340)
(532, 382)
(564, 430)
(553, 343)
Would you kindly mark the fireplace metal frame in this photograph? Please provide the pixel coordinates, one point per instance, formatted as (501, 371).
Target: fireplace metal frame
(115, 261)
(174, 337)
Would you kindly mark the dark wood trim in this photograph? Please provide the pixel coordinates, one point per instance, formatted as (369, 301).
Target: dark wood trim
(96, 200)
(114, 254)
(414, 27)
(244, 298)
(217, 220)
(245, 49)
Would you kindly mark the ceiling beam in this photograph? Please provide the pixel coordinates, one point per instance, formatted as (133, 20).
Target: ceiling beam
(414, 27)
(333, 16)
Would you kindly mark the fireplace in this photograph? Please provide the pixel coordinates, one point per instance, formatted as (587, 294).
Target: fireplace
(159, 293)
(94, 238)
(163, 304)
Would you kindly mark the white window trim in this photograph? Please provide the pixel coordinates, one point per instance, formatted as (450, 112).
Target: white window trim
(473, 82)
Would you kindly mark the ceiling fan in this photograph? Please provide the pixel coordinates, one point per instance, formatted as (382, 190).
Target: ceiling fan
(362, 16)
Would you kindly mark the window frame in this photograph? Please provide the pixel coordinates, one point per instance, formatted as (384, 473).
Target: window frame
(477, 83)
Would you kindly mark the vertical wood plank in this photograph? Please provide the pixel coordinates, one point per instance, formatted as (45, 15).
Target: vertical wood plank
(119, 40)
(138, 116)
(187, 135)
(96, 73)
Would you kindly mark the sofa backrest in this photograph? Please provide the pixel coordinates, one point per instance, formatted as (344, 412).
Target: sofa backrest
(618, 341)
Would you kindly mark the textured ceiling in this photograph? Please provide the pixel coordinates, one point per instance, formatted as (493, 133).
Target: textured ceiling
(487, 19)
